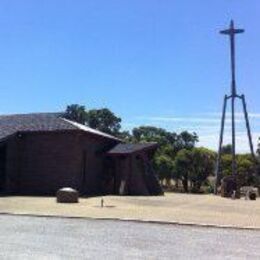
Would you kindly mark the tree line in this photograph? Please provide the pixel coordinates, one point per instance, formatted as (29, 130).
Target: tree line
(180, 165)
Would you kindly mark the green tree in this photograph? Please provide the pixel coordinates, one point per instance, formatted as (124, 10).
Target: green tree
(203, 162)
(165, 138)
(153, 134)
(168, 150)
(245, 167)
(226, 149)
(170, 143)
(182, 166)
(258, 148)
(104, 120)
(194, 166)
(226, 164)
(186, 140)
(164, 168)
(125, 135)
(76, 113)
(101, 119)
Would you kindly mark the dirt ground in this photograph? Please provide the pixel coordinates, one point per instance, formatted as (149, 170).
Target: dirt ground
(172, 207)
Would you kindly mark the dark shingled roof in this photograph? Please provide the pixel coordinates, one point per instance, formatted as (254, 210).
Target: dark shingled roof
(37, 122)
(121, 149)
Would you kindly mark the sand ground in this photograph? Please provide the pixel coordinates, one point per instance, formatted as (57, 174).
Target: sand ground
(172, 207)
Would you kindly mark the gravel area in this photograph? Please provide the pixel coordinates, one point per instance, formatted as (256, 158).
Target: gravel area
(58, 238)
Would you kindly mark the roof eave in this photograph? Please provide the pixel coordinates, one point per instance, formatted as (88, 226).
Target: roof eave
(145, 149)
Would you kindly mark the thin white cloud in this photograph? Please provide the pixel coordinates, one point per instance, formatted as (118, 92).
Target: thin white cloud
(237, 114)
(207, 126)
(254, 115)
(183, 119)
(242, 145)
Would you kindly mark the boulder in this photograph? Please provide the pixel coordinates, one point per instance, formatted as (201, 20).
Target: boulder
(251, 195)
(67, 195)
(245, 190)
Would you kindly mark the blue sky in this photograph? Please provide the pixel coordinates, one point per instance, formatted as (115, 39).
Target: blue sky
(152, 62)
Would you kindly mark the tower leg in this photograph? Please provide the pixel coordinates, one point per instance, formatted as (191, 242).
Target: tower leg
(217, 173)
(248, 127)
(233, 136)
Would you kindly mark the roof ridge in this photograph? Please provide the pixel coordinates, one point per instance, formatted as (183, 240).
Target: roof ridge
(33, 113)
(89, 129)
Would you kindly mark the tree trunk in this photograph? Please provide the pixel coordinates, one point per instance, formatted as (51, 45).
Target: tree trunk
(185, 184)
(168, 182)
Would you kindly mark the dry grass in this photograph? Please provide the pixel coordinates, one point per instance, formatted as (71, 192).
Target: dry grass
(183, 208)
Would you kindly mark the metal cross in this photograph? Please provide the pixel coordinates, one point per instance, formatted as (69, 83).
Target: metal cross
(231, 32)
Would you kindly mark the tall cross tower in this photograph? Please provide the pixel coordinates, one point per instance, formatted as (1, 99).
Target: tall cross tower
(231, 32)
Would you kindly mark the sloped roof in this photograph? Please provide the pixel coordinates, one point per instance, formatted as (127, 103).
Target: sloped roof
(121, 149)
(90, 130)
(37, 122)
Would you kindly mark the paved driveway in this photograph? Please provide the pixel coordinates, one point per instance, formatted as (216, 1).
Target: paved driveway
(54, 238)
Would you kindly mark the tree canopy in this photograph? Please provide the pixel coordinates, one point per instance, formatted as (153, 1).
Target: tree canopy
(245, 167)
(226, 149)
(164, 167)
(104, 120)
(101, 119)
(194, 165)
(164, 137)
(76, 113)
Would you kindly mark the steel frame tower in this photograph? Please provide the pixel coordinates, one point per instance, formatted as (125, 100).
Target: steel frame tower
(231, 32)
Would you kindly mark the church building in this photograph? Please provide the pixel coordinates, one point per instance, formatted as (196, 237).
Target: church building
(43, 152)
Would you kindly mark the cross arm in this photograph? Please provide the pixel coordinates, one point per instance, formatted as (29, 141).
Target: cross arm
(232, 31)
